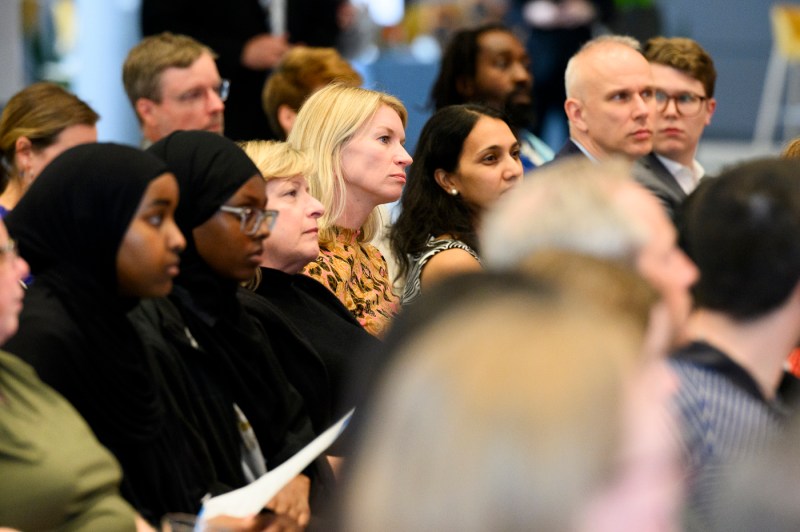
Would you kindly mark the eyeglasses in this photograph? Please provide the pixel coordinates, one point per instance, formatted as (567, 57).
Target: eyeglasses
(8, 251)
(252, 218)
(199, 94)
(686, 103)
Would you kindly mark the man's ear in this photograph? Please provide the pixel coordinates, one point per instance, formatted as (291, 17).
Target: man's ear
(144, 110)
(286, 117)
(574, 111)
(712, 106)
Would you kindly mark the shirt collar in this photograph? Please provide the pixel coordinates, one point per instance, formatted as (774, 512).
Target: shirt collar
(687, 177)
(584, 150)
(709, 357)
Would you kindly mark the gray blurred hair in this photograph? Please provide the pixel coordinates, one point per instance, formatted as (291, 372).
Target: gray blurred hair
(569, 205)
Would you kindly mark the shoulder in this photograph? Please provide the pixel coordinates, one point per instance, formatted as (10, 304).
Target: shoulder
(449, 262)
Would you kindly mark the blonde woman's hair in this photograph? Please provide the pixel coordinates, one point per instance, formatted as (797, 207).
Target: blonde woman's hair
(324, 125)
(277, 160)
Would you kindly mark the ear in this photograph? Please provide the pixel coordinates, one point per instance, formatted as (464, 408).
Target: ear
(712, 106)
(445, 180)
(23, 153)
(574, 111)
(145, 109)
(286, 117)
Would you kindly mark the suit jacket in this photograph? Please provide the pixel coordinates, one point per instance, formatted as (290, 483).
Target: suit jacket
(651, 173)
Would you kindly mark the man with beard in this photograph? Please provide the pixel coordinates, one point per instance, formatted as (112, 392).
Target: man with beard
(489, 65)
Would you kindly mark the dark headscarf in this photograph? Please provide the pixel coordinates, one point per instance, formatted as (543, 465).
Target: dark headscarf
(74, 329)
(210, 169)
(77, 211)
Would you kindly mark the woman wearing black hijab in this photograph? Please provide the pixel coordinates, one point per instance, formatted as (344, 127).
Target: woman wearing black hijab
(202, 325)
(97, 229)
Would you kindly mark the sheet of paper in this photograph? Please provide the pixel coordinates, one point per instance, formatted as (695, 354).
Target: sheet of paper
(252, 498)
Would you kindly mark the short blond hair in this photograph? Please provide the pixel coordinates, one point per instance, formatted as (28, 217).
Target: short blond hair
(324, 125)
(277, 160)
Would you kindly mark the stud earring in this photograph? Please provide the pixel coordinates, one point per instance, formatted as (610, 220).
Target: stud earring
(453, 192)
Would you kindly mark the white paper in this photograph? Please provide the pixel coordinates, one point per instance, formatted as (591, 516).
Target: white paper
(250, 499)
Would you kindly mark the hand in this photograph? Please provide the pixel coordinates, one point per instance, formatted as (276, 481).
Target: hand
(292, 500)
(254, 523)
(264, 51)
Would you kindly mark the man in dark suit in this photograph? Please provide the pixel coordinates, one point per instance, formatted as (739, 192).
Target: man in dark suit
(684, 77)
(611, 110)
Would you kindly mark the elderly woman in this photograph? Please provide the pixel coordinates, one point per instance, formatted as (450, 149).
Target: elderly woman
(321, 340)
(355, 139)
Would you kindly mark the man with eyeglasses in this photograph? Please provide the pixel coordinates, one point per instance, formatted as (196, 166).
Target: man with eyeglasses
(684, 78)
(173, 83)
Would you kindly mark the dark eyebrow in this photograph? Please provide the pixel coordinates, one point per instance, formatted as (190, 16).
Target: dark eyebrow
(161, 202)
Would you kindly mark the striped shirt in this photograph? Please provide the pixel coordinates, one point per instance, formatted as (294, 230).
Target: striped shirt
(724, 417)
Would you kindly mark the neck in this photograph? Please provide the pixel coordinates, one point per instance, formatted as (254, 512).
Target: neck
(686, 159)
(12, 194)
(760, 346)
(355, 213)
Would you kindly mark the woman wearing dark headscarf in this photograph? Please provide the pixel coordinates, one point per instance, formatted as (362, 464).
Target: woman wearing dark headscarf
(97, 229)
(202, 324)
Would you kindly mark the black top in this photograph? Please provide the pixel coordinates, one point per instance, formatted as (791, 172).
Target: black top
(74, 331)
(322, 342)
(230, 357)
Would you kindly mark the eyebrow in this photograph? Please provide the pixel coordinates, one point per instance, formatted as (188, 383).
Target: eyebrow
(160, 202)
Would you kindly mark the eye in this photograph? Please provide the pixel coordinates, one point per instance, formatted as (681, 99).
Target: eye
(515, 153)
(686, 97)
(623, 96)
(292, 192)
(192, 95)
(384, 139)
(155, 219)
(490, 158)
(647, 94)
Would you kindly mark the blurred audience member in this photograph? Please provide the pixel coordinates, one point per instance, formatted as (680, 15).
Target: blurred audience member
(302, 71)
(172, 83)
(684, 79)
(38, 123)
(489, 65)
(596, 209)
(743, 231)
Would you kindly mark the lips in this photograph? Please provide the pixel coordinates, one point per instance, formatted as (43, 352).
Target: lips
(642, 134)
(400, 177)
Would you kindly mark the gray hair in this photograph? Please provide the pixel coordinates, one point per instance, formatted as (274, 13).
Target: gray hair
(569, 205)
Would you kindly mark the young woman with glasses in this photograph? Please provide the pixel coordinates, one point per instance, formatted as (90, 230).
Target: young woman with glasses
(202, 328)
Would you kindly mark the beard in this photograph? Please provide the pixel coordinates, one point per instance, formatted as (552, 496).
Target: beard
(521, 115)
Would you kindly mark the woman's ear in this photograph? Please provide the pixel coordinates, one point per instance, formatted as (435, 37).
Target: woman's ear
(446, 181)
(23, 152)
(286, 118)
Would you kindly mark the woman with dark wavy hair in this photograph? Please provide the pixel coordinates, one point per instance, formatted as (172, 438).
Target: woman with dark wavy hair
(467, 157)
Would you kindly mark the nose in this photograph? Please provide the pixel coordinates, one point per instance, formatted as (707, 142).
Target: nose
(23, 270)
(214, 102)
(521, 75)
(263, 232)
(512, 170)
(175, 238)
(316, 208)
(690, 271)
(671, 108)
(403, 158)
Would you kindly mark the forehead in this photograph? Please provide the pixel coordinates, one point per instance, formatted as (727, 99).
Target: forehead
(488, 132)
(619, 67)
(384, 118)
(203, 70)
(500, 42)
(675, 80)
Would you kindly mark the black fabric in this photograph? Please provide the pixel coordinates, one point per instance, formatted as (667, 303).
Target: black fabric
(234, 354)
(297, 306)
(74, 330)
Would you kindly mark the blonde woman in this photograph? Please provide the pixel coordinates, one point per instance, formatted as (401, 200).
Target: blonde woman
(317, 354)
(355, 139)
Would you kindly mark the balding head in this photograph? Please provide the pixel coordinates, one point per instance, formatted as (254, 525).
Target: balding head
(609, 102)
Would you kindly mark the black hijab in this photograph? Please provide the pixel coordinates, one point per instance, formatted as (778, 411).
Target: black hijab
(210, 169)
(74, 330)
